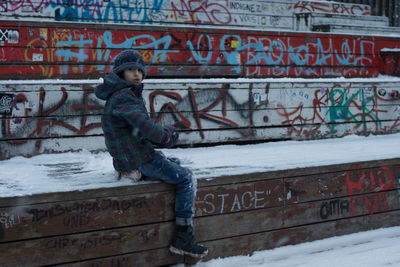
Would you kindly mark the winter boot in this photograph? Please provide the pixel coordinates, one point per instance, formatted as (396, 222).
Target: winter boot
(184, 243)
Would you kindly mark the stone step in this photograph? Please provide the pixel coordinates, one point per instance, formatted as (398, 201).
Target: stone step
(351, 28)
(306, 21)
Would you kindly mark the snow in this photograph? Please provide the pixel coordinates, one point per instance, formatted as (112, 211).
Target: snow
(84, 170)
(365, 249)
(379, 78)
(390, 50)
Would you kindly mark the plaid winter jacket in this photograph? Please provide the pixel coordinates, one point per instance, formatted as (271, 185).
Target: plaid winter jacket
(128, 130)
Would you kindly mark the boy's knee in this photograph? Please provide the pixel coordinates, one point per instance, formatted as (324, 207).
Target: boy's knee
(189, 180)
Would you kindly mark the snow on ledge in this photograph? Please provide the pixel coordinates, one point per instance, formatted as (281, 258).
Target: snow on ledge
(206, 163)
(380, 78)
(390, 50)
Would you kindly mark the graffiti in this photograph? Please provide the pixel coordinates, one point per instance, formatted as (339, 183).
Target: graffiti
(77, 214)
(220, 12)
(135, 12)
(335, 207)
(10, 36)
(229, 202)
(6, 104)
(340, 109)
(46, 117)
(201, 106)
(9, 220)
(360, 180)
(91, 242)
(24, 6)
(350, 109)
(154, 11)
(326, 7)
(242, 111)
(90, 52)
(204, 12)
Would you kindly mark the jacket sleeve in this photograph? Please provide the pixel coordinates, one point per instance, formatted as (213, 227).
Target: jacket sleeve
(133, 111)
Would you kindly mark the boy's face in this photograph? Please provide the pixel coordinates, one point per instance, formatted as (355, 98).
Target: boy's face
(133, 75)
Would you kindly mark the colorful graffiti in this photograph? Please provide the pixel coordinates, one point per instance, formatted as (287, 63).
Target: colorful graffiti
(161, 12)
(225, 12)
(69, 53)
(352, 109)
(245, 111)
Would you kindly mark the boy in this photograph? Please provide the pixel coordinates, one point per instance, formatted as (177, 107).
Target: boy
(130, 134)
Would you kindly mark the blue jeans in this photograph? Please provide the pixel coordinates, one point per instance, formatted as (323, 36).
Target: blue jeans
(170, 171)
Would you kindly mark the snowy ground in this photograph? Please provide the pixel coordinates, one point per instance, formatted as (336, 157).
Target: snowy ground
(85, 170)
(365, 249)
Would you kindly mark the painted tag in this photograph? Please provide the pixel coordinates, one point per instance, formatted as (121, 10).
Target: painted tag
(256, 98)
(234, 44)
(3, 5)
(6, 101)
(37, 57)
(13, 37)
(43, 34)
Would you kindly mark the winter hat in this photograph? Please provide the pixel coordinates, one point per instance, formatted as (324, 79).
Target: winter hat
(128, 59)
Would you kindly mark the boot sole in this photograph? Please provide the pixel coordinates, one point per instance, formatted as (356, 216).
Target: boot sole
(182, 252)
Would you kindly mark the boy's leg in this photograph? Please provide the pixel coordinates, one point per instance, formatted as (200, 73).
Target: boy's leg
(159, 167)
(169, 171)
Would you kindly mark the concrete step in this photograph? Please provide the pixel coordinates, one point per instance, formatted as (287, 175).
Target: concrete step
(357, 29)
(305, 21)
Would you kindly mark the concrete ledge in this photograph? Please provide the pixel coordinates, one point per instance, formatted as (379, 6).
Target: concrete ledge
(134, 224)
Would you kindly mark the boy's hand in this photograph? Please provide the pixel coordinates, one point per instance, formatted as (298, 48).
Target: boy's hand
(170, 137)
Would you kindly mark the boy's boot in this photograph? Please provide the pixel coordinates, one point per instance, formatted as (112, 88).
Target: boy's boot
(184, 243)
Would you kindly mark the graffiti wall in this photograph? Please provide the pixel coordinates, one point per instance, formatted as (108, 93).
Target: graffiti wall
(267, 14)
(78, 40)
(47, 118)
(37, 50)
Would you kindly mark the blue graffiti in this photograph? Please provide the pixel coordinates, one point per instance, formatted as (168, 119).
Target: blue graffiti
(230, 48)
(273, 54)
(121, 11)
(321, 58)
(197, 56)
(160, 46)
(232, 57)
(348, 55)
(341, 107)
(68, 55)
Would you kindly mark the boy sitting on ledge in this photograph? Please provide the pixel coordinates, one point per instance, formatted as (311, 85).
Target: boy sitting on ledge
(130, 135)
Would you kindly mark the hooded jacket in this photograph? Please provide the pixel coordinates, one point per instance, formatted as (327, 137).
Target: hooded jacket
(128, 130)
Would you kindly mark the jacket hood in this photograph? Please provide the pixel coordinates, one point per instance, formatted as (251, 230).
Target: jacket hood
(112, 83)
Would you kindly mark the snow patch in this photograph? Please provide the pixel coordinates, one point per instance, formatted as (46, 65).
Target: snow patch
(84, 170)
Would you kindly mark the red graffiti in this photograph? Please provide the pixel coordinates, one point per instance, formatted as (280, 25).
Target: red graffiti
(47, 117)
(376, 181)
(10, 6)
(345, 107)
(326, 7)
(191, 105)
(194, 11)
(168, 108)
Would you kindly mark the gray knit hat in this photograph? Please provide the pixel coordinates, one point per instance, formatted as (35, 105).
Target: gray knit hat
(128, 59)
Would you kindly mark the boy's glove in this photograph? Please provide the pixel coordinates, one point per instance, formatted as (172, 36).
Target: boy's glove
(170, 137)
